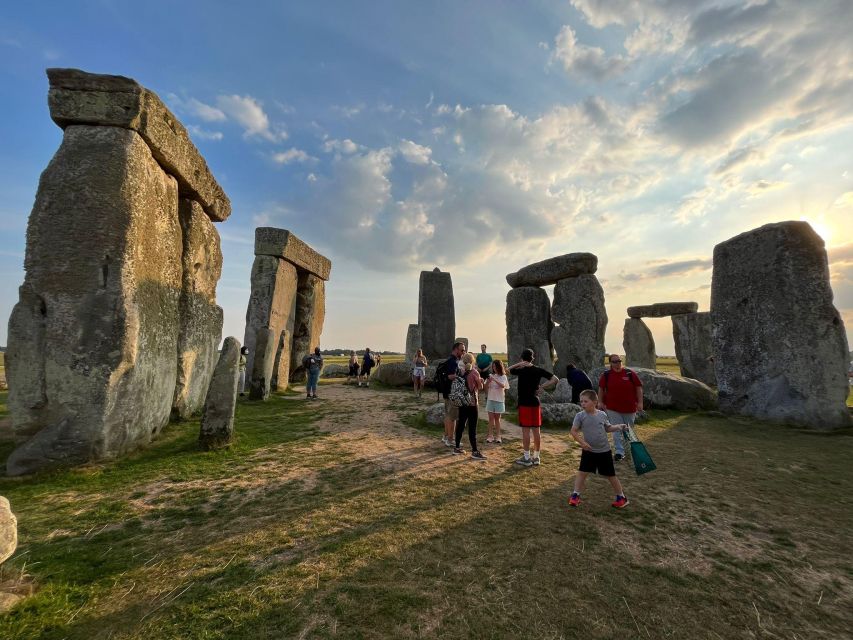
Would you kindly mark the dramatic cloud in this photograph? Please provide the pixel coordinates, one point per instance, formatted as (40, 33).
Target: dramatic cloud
(414, 153)
(666, 269)
(249, 114)
(581, 59)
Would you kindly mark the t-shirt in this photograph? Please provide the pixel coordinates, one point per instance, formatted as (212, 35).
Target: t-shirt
(578, 381)
(483, 360)
(620, 390)
(313, 363)
(367, 361)
(592, 425)
(497, 392)
(528, 383)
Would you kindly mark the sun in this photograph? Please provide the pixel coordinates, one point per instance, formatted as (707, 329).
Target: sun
(821, 228)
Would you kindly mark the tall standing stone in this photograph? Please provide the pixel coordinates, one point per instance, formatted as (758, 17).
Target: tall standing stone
(579, 311)
(692, 335)
(310, 312)
(265, 341)
(639, 344)
(217, 420)
(436, 313)
(413, 341)
(528, 324)
(779, 344)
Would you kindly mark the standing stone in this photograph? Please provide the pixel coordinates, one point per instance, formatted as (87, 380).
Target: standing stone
(579, 310)
(692, 335)
(779, 344)
(93, 341)
(662, 309)
(282, 351)
(528, 324)
(8, 530)
(217, 420)
(552, 270)
(308, 325)
(639, 344)
(436, 313)
(413, 341)
(201, 318)
(262, 366)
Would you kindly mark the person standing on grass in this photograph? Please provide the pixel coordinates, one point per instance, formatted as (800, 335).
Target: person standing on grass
(484, 362)
(578, 381)
(620, 393)
(313, 364)
(367, 363)
(496, 386)
(469, 414)
(590, 429)
(529, 407)
(446, 373)
(241, 384)
(353, 367)
(419, 365)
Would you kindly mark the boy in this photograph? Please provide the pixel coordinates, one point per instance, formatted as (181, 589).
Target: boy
(590, 429)
(529, 406)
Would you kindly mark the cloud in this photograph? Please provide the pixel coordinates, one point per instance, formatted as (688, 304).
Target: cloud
(581, 59)
(341, 146)
(666, 269)
(205, 111)
(739, 158)
(204, 134)
(249, 114)
(414, 153)
(292, 155)
(841, 255)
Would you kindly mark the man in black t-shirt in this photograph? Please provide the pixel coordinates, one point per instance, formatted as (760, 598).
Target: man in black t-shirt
(451, 412)
(529, 408)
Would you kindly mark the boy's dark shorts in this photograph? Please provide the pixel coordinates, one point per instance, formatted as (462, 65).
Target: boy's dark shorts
(600, 463)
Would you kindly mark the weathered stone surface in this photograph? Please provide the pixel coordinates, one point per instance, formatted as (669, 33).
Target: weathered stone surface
(552, 270)
(779, 344)
(201, 318)
(281, 243)
(662, 309)
(217, 420)
(77, 97)
(272, 305)
(562, 392)
(308, 323)
(528, 324)
(436, 313)
(262, 370)
(435, 413)
(579, 310)
(335, 371)
(667, 391)
(413, 341)
(8, 530)
(93, 341)
(462, 340)
(692, 335)
(398, 374)
(562, 413)
(639, 344)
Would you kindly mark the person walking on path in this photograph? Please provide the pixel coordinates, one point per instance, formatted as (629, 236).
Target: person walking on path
(469, 414)
(620, 393)
(352, 374)
(367, 363)
(241, 384)
(529, 407)
(496, 386)
(419, 365)
(313, 364)
(590, 429)
(446, 374)
(578, 381)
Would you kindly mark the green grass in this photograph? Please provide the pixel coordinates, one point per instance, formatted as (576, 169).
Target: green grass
(298, 532)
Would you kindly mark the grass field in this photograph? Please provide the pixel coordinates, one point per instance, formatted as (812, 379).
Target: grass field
(346, 518)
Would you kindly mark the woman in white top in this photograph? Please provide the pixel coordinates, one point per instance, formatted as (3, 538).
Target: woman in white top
(496, 385)
(419, 365)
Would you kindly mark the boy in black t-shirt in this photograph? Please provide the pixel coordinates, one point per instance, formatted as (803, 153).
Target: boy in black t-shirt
(529, 408)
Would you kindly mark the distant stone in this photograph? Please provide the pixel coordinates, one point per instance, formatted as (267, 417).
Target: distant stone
(779, 344)
(8, 530)
(528, 324)
(662, 309)
(77, 97)
(435, 413)
(562, 413)
(413, 341)
(579, 311)
(562, 393)
(398, 374)
(693, 346)
(282, 243)
(335, 371)
(639, 344)
(436, 313)
(550, 271)
(217, 420)
(667, 391)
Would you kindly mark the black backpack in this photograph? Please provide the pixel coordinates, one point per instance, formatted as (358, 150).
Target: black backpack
(440, 380)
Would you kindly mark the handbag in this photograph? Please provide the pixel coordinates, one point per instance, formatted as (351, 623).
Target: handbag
(643, 462)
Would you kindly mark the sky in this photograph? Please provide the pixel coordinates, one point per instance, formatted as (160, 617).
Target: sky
(477, 136)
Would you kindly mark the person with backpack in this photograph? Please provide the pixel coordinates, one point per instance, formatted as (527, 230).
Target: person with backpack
(352, 373)
(578, 381)
(445, 374)
(471, 383)
(529, 407)
(620, 394)
(367, 363)
(313, 364)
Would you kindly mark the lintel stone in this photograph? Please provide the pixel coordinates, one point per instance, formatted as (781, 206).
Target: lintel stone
(662, 309)
(282, 243)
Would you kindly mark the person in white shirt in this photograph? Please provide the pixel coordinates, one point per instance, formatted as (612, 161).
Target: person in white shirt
(496, 386)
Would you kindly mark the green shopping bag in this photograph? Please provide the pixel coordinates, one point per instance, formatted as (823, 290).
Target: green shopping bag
(643, 462)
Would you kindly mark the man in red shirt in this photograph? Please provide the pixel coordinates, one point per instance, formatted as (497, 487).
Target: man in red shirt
(620, 393)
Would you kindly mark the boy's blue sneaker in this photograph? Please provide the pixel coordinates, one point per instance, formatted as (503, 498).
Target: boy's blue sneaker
(620, 502)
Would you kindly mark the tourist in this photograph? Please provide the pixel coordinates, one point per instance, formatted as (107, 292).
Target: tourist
(590, 429)
(367, 363)
(620, 393)
(484, 362)
(419, 365)
(529, 407)
(496, 386)
(469, 414)
(445, 374)
(313, 364)
(578, 381)
(352, 374)
(241, 384)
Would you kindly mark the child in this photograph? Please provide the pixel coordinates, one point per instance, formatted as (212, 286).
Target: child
(596, 456)
(496, 384)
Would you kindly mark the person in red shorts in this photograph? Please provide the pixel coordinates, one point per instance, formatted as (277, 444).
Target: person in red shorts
(529, 407)
(620, 393)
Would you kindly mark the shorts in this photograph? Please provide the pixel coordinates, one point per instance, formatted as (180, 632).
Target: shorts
(530, 416)
(353, 369)
(419, 372)
(365, 371)
(600, 463)
(493, 406)
(450, 410)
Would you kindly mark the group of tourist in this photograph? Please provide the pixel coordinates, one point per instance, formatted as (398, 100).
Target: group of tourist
(361, 372)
